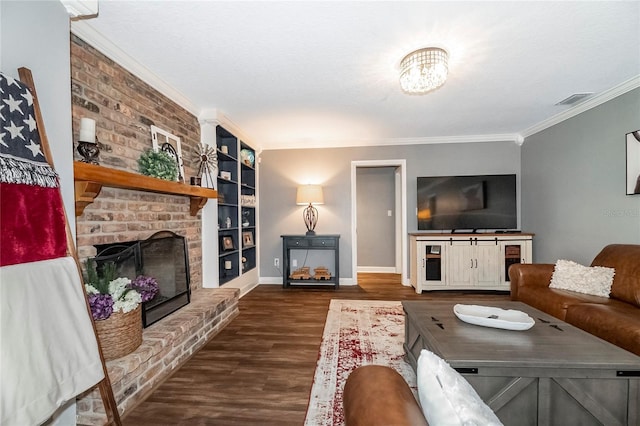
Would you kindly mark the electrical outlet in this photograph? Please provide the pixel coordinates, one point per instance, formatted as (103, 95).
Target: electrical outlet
(294, 262)
(276, 262)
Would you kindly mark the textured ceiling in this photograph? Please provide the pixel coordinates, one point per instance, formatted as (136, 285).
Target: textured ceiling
(301, 74)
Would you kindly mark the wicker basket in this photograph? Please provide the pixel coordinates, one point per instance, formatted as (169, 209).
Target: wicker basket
(120, 334)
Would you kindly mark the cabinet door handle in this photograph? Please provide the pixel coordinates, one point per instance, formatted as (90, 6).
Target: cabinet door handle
(476, 263)
(423, 261)
(471, 263)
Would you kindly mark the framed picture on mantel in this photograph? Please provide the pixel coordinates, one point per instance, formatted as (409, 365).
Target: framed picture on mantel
(633, 162)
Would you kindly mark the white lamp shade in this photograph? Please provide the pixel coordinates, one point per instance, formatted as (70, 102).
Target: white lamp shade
(309, 194)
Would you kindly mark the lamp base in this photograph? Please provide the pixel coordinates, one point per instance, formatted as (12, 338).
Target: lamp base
(310, 215)
(310, 233)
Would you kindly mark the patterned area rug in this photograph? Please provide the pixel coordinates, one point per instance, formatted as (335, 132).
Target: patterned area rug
(357, 332)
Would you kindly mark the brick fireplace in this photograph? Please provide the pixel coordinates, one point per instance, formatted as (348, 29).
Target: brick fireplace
(125, 108)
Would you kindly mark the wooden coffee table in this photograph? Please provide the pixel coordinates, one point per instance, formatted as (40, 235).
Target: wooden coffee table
(551, 374)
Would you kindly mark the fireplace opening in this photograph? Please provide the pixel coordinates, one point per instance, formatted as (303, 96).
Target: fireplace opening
(163, 256)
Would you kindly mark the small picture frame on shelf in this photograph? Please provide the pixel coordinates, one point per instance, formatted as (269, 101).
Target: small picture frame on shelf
(226, 243)
(225, 175)
(247, 239)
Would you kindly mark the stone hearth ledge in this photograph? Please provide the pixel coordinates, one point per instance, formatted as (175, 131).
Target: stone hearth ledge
(166, 345)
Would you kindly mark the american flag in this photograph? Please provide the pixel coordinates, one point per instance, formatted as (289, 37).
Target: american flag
(32, 222)
(21, 157)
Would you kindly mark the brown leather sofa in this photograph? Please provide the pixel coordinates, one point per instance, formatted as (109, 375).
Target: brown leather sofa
(615, 319)
(375, 395)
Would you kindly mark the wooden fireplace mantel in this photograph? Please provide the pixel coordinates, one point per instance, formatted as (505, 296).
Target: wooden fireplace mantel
(90, 178)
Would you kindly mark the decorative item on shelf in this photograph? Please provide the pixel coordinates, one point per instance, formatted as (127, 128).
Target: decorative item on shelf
(245, 218)
(423, 70)
(321, 273)
(247, 239)
(227, 222)
(248, 200)
(224, 149)
(301, 274)
(158, 164)
(248, 157)
(225, 175)
(196, 181)
(87, 146)
(310, 194)
(207, 161)
(226, 243)
(244, 263)
(115, 307)
(227, 264)
(169, 143)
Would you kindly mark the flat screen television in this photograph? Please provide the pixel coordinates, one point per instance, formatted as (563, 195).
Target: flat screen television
(457, 203)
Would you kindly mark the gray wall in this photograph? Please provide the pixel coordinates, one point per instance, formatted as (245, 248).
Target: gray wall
(573, 183)
(35, 34)
(375, 196)
(281, 171)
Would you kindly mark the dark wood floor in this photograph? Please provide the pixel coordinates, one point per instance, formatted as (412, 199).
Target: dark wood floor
(259, 369)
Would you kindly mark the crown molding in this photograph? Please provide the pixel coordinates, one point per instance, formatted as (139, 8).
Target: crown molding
(346, 143)
(599, 99)
(89, 34)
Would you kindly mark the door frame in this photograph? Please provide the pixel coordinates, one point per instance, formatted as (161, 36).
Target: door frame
(400, 214)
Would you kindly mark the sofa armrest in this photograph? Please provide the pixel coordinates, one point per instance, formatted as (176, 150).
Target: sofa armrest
(376, 395)
(529, 274)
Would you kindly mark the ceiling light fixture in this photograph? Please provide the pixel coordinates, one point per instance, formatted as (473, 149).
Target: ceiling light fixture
(424, 70)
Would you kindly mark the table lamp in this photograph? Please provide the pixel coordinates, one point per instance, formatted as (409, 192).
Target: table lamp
(310, 194)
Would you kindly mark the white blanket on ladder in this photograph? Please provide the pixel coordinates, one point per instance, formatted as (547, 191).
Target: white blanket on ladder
(48, 350)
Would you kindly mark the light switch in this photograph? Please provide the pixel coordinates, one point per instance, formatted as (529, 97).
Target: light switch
(389, 213)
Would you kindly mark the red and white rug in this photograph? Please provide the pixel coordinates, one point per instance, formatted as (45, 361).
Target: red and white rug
(357, 332)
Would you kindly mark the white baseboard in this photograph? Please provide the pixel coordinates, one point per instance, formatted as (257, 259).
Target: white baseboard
(378, 269)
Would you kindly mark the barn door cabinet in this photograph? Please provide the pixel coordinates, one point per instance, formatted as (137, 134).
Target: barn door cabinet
(466, 261)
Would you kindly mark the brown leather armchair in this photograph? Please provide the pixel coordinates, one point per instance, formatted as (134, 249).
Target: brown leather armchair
(375, 395)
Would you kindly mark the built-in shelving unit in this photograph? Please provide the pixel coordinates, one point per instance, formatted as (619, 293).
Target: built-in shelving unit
(237, 230)
(90, 178)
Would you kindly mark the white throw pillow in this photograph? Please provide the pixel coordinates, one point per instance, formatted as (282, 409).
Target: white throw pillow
(595, 280)
(447, 399)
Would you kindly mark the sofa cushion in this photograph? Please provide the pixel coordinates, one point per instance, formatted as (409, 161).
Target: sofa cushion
(446, 397)
(625, 258)
(595, 280)
(555, 302)
(616, 322)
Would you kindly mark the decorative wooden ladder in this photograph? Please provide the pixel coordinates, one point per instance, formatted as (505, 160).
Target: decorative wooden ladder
(106, 392)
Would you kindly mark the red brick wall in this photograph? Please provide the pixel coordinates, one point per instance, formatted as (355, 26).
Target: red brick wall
(124, 108)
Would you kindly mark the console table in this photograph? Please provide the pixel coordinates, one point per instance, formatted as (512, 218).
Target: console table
(310, 243)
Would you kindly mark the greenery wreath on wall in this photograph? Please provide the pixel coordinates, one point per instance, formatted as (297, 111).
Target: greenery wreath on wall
(158, 164)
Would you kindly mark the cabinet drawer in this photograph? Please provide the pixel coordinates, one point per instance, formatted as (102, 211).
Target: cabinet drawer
(297, 242)
(323, 242)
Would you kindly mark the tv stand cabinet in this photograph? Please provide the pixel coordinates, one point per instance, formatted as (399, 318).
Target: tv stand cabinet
(452, 261)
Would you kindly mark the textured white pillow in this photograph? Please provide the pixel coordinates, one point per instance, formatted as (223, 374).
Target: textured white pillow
(447, 399)
(595, 280)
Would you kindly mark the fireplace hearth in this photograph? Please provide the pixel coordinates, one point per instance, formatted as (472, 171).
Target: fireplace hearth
(163, 256)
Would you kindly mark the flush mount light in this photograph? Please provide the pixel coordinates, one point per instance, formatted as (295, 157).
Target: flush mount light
(423, 70)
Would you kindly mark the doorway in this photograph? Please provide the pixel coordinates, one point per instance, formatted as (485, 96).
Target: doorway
(378, 202)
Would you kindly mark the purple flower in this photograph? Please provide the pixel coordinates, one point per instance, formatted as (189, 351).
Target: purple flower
(146, 286)
(101, 306)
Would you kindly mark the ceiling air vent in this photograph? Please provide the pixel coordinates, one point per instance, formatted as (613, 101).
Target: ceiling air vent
(575, 98)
